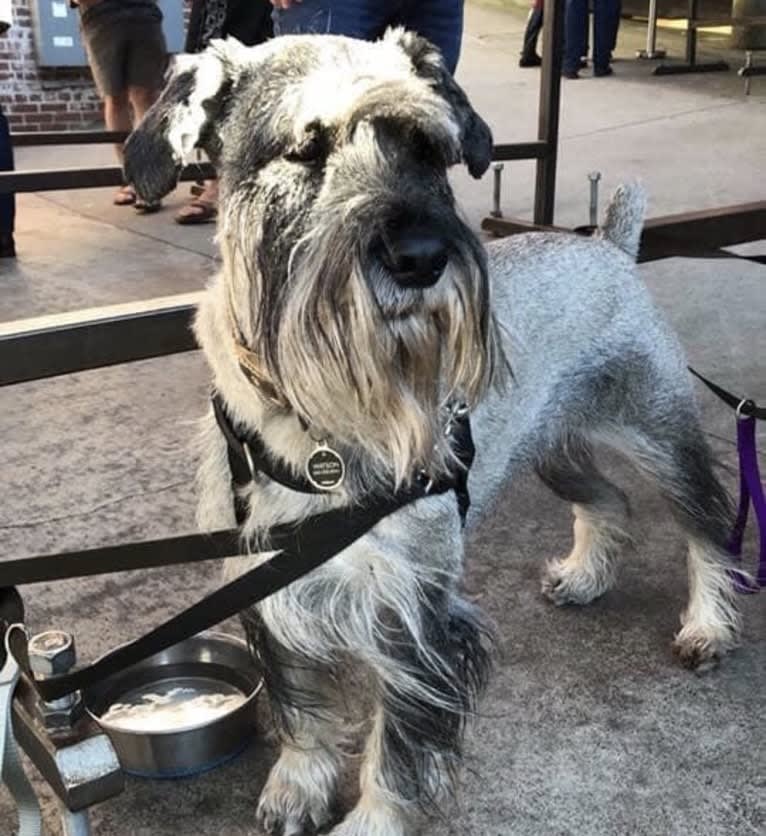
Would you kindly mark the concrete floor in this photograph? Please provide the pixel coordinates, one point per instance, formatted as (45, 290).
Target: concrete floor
(589, 726)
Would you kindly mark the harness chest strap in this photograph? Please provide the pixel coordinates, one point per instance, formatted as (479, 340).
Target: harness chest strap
(300, 549)
(248, 457)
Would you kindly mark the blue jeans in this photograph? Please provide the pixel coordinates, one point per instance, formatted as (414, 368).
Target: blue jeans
(440, 21)
(606, 21)
(7, 201)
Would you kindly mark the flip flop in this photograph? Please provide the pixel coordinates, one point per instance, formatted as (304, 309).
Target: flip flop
(125, 196)
(196, 212)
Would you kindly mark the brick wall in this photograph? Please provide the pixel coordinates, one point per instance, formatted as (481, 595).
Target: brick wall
(42, 98)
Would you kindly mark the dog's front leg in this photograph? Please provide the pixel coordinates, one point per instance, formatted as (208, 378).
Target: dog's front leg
(381, 809)
(300, 790)
(427, 687)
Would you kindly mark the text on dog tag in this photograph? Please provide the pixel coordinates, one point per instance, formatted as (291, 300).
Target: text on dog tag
(325, 468)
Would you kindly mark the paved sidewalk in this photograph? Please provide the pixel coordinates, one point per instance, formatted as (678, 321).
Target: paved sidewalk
(589, 727)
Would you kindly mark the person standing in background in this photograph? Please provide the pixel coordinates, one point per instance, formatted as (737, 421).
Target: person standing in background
(439, 21)
(7, 201)
(249, 21)
(127, 56)
(606, 22)
(529, 54)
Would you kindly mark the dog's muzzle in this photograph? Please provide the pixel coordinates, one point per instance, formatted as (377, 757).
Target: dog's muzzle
(414, 256)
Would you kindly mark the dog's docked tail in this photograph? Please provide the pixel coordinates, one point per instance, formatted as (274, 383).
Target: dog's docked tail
(624, 218)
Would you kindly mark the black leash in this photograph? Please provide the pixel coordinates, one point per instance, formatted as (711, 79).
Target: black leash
(745, 407)
(301, 549)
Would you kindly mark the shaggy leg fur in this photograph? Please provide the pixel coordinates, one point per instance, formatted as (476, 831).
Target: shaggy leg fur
(379, 812)
(301, 785)
(682, 469)
(300, 789)
(600, 510)
(414, 747)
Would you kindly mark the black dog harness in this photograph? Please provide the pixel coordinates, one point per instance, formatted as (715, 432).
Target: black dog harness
(248, 458)
(301, 547)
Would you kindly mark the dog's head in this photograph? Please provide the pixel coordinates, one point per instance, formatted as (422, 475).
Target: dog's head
(353, 280)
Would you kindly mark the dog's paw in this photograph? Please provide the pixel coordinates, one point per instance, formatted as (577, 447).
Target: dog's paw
(380, 820)
(298, 795)
(562, 584)
(283, 814)
(701, 650)
(275, 822)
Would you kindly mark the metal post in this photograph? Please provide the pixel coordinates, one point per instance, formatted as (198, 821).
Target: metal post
(748, 65)
(691, 35)
(594, 177)
(75, 824)
(651, 51)
(690, 64)
(548, 111)
(497, 169)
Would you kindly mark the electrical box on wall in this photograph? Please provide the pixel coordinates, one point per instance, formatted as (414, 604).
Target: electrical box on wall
(57, 31)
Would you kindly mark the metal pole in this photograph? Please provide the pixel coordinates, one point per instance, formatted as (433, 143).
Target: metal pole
(594, 177)
(691, 35)
(748, 65)
(497, 169)
(548, 111)
(75, 824)
(651, 35)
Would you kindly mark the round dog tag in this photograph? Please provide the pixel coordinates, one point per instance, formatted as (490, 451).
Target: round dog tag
(325, 468)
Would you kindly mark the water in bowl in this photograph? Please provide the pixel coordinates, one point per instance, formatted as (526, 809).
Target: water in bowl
(173, 704)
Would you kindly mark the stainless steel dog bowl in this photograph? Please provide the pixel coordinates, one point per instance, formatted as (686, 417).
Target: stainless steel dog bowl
(182, 711)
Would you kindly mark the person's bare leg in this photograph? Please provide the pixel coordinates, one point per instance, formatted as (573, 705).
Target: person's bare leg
(141, 98)
(117, 118)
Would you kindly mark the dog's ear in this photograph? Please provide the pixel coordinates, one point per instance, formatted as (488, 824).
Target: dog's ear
(475, 134)
(183, 118)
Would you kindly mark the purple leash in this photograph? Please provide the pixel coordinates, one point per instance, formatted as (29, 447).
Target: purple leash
(750, 490)
(750, 485)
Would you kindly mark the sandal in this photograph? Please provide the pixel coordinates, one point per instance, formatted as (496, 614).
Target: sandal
(197, 212)
(125, 196)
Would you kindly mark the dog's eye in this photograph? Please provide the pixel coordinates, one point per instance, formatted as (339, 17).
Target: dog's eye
(430, 151)
(311, 148)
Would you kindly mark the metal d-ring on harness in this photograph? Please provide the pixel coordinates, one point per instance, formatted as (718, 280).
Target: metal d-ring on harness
(300, 548)
(751, 489)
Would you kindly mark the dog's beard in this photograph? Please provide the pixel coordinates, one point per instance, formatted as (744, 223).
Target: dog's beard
(377, 377)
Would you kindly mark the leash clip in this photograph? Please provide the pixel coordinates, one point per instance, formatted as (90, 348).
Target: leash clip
(745, 402)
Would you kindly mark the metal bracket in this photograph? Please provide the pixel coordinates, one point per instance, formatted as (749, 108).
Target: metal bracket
(82, 770)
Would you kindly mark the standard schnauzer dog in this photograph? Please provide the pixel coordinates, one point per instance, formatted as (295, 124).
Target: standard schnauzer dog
(354, 309)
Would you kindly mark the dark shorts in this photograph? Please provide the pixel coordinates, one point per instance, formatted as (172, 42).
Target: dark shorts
(125, 45)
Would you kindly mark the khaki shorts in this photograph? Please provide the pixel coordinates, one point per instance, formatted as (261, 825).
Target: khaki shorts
(125, 45)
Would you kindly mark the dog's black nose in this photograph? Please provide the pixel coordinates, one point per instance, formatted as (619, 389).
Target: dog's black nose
(413, 257)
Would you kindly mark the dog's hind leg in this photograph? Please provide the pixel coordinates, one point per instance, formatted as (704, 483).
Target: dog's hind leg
(675, 455)
(300, 790)
(600, 511)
